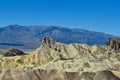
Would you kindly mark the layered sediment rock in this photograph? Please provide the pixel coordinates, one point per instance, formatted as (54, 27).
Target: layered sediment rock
(57, 61)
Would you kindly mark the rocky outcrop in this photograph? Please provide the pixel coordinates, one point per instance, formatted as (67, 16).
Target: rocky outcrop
(12, 52)
(47, 40)
(58, 61)
(113, 44)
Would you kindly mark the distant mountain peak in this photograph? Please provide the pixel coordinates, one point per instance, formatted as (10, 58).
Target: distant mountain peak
(14, 25)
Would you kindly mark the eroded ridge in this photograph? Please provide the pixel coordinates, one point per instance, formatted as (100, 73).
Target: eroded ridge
(58, 61)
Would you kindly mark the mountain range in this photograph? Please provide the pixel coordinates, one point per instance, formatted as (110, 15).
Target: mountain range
(29, 37)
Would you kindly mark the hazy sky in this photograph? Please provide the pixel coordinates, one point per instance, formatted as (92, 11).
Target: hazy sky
(95, 15)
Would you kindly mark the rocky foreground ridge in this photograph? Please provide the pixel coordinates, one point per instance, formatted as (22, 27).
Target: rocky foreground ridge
(57, 61)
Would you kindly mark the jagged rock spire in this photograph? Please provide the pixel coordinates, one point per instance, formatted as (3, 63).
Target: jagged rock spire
(114, 44)
(47, 40)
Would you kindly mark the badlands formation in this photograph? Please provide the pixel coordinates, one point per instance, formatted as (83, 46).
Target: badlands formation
(57, 61)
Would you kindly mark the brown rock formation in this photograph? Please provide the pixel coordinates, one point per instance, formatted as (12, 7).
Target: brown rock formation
(113, 44)
(47, 40)
(12, 52)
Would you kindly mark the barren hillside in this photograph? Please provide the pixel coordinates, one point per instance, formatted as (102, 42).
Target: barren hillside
(58, 61)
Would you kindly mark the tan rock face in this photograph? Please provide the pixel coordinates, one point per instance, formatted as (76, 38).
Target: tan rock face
(57, 61)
